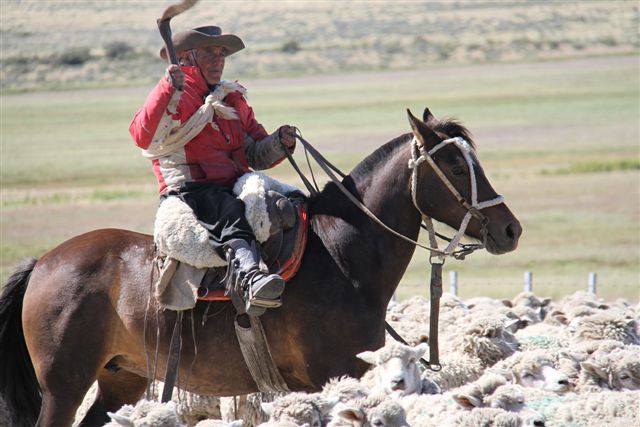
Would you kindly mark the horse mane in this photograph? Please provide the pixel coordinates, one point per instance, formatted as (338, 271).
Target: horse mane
(446, 128)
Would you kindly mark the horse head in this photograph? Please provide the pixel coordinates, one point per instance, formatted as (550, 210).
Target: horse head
(451, 186)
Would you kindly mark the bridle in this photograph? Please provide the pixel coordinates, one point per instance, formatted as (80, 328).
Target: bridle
(418, 156)
(473, 208)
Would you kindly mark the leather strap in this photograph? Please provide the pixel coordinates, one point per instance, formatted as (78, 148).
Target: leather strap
(173, 360)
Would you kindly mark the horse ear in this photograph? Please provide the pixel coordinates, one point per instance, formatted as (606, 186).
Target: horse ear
(427, 116)
(421, 131)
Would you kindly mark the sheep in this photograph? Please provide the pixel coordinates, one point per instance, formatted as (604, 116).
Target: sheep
(610, 408)
(616, 369)
(477, 346)
(247, 407)
(220, 423)
(146, 413)
(587, 332)
(457, 407)
(375, 410)
(493, 392)
(533, 369)
(298, 408)
(487, 417)
(396, 371)
(343, 389)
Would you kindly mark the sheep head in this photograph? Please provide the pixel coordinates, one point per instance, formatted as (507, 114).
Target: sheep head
(396, 367)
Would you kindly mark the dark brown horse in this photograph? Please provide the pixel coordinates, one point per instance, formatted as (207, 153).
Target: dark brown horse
(84, 305)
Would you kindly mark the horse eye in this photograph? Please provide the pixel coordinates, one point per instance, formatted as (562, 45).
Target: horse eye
(458, 170)
(377, 423)
(624, 376)
(527, 375)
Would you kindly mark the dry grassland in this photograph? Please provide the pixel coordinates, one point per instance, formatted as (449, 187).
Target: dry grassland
(57, 44)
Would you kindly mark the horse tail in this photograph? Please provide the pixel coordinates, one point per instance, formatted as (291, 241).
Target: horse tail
(18, 383)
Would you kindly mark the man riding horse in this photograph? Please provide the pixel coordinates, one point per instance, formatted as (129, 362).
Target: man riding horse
(201, 136)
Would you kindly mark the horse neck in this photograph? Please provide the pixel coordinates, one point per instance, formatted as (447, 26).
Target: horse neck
(370, 257)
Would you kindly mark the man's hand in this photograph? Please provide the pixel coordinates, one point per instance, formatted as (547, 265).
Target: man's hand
(175, 76)
(288, 137)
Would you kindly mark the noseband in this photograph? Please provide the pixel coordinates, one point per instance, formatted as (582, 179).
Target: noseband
(473, 208)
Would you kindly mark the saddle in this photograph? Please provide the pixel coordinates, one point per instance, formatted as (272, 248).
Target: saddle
(281, 252)
(191, 270)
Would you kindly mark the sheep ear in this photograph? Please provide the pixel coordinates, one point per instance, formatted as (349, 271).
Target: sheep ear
(512, 325)
(545, 302)
(120, 419)
(466, 401)
(507, 303)
(327, 404)
(367, 356)
(505, 373)
(352, 414)
(267, 407)
(420, 350)
(594, 369)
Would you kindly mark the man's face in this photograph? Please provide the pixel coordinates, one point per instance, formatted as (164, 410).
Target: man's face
(211, 62)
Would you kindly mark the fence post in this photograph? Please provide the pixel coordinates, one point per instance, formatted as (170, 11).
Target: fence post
(593, 277)
(528, 281)
(453, 279)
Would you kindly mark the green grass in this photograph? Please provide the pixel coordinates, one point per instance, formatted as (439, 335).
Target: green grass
(68, 164)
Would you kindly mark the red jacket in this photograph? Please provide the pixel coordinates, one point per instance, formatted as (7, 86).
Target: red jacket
(219, 156)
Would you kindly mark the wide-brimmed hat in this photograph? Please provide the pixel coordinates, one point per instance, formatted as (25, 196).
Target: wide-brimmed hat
(204, 36)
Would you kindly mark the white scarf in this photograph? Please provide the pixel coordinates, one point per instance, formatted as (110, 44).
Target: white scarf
(213, 105)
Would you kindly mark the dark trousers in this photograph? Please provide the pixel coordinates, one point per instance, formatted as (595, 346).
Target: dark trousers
(219, 211)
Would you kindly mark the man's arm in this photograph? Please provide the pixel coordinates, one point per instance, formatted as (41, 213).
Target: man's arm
(262, 150)
(153, 122)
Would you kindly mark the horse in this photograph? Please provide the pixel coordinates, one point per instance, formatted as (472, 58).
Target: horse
(84, 311)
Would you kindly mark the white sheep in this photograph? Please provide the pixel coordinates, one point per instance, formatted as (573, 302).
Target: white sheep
(476, 346)
(373, 411)
(395, 370)
(219, 423)
(343, 389)
(298, 408)
(589, 331)
(493, 392)
(614, 368)
(453, 408)
(604, 408)
(533, 369)
(247, 407)
(146, 413)
(486, 417)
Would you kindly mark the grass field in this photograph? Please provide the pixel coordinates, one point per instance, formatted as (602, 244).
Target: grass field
(559, 139)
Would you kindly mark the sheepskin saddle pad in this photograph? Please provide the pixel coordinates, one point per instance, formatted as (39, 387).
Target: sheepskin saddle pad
(192, 269)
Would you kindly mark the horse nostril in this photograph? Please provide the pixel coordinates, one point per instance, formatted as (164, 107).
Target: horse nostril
(564, 382)
(538, 423)
(513, 231)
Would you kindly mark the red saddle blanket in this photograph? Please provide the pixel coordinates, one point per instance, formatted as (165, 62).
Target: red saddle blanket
(283, 257)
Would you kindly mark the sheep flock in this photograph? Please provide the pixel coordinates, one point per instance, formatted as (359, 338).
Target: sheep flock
(528, 362)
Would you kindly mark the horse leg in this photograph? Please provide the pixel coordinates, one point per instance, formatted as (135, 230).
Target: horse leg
(114, 390)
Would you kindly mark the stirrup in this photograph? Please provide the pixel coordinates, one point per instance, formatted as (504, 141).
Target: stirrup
(266, 303)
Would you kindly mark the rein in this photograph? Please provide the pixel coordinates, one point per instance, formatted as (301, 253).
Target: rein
(473, 210)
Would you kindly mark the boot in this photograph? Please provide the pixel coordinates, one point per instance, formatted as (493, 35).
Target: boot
(259, 290)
